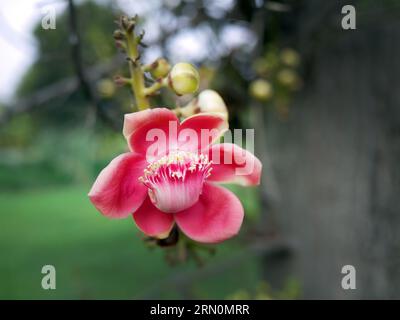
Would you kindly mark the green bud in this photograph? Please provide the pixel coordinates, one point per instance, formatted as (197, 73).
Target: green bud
(160, 68)
(184, 78)
(106, 88)
(290, 57)
(261, 90)
(288, 77)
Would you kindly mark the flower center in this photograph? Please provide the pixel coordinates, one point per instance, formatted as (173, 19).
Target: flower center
(176, 180)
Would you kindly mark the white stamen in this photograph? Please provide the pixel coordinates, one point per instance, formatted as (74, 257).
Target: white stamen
(175, 181)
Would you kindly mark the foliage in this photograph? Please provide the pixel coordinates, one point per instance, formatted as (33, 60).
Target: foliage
(54, 62)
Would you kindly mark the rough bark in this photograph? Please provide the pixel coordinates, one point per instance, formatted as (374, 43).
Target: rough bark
(336, 161)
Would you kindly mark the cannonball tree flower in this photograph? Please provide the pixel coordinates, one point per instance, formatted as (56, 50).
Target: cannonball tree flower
(177, 182)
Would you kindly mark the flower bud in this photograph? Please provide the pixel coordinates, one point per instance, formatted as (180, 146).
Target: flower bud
(128, 24)
(261, 90)
(106, 88)
(160, 68)
(118, 35)
(290, 57)
(184, 78)
(120, 44)
(208, 101)
(288, 78)
(211, 101)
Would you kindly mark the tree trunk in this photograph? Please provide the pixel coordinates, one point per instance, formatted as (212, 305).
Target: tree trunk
(336, 162)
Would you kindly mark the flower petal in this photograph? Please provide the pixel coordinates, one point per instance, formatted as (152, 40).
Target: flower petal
(142, 129)
(152, 221)
(232, 164)
(217, 216)
(117, 192)
(200, 130)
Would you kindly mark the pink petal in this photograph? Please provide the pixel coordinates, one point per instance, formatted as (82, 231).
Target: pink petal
(117, 191)
(232, 164)
(199, 131)
(216, 217)
(142, 129)
(152, 221)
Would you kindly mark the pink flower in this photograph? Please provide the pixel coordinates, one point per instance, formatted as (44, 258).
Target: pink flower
(175, 182)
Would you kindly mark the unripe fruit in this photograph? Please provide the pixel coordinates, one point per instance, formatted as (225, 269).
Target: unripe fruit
(261, 90)
(183, 78)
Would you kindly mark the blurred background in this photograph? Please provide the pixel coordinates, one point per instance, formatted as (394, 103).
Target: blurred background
(325, 108)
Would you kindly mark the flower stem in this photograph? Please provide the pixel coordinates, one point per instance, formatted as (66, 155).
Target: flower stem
(155, 86)
(137, 83)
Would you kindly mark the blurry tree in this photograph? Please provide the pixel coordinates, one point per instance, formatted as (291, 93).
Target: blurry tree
(54, 62)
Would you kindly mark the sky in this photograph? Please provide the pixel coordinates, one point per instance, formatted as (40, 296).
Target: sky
(17, 46)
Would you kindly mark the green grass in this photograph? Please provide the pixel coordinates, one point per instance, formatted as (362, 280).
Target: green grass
(94, 257)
